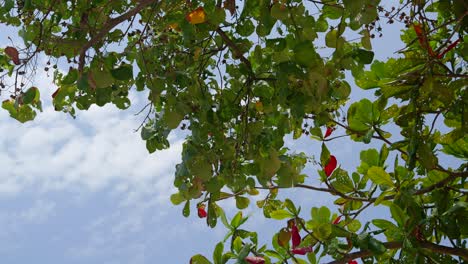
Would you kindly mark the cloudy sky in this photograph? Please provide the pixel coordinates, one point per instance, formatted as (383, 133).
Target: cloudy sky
(85, 190)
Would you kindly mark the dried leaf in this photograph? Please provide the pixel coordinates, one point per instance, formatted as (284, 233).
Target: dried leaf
(231, 6)
(13, 54)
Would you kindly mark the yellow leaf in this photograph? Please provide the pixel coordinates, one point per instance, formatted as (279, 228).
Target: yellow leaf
(197, 16)
(174, 26)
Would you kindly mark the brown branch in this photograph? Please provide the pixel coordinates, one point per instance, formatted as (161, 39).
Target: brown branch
(331, 190)
(460, 252)
(442, 183)
(364, 253)
(235, 49)
(110, 24)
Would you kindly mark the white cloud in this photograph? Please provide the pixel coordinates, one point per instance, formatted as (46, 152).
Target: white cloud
(99, 147)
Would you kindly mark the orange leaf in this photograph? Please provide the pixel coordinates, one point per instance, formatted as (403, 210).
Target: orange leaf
(422, 39)
(13, 54)
(197, 16)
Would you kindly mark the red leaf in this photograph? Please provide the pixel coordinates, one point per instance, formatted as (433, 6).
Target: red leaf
(450, 47)
(201, 211)
(328, 132)
(295, 237)
(331, 166)
(352, 262)
(337, 220)
(302, 251)
(255, 260)
(13, 54)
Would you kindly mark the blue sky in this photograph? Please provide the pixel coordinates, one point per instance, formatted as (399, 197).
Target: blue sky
(85, 190)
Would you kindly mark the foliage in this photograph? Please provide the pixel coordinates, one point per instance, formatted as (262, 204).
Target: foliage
(240, 76)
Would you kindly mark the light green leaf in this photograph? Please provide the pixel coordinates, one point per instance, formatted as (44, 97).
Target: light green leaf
(218, 253)
(281, 214)
(199, 259)
(177, 198)
(379, 176)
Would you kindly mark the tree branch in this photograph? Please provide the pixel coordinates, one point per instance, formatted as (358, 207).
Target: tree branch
(461, 252)
(365, 253)
(235, 49)
(110, 24)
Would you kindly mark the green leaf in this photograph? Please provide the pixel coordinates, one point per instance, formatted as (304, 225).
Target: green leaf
(363, 115)
(341, 181)
(281, 214)
(71, 77)
(324, 155)
(199, 259)
(331, 38)
(177, 198)
(376, 246)
(218, 253)
(383, 154)
(236, 220)
(379, 176)
(31, 95)
(8, 5)
(354, 226)
(237, 244)
(242, 202)
(398, 214)
(366, 40)
(426, 156)
(123, 73)
(323, 231)
(244, 252)
(186, 210)
(222, 216)
(304, 54)
(212, 218)
(363, 56)
(172, 119)
(311, 257)
(101, 78)
(279, 12)
(290, 206)
(321, 215)
(384, 224)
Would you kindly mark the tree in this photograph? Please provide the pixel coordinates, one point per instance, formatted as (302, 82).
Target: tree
(241, 75)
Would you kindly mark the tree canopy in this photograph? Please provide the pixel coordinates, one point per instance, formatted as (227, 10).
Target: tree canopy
(239, 76)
